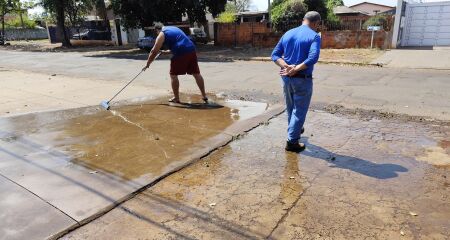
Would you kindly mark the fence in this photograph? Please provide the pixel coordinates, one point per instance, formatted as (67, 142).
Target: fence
(233, 34)
(260, 35)
(25, 34)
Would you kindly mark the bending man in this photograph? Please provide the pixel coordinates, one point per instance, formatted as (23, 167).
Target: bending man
(184, 60)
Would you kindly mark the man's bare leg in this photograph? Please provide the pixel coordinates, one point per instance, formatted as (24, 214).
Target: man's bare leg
(201, 84)
(175, 88)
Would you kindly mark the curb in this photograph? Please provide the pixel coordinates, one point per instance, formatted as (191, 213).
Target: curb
(212, 144)
(268, 59)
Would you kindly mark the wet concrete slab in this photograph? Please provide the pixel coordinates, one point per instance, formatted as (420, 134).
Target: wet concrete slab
(35, 220)
(358, 179)
(85, 161)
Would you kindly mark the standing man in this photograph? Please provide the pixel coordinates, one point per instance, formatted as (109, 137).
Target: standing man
(296, 53)
(184, 60)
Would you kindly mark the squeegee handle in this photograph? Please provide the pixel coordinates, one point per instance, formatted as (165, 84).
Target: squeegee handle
(130, 82)
(125, 86)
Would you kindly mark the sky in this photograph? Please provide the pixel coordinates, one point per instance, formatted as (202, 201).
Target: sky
(262, 4)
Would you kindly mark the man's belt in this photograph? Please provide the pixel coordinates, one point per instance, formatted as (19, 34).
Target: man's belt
(300, 75)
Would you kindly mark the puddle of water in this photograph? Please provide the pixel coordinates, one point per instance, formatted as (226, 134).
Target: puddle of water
(129, 141)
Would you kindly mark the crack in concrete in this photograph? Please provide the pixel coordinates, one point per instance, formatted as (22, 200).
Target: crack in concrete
(154, 136)
(283, 218)
(34, 194)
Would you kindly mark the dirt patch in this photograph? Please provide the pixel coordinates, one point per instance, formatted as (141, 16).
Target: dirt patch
(364, 114)
(436, 156)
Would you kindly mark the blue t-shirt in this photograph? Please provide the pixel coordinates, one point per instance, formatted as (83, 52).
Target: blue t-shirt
(299, 45)
(177, 41)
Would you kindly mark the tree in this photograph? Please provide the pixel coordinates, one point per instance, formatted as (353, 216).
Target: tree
(242, 5)
(142, 13)
(215, 7)
(229, 15)
(7, 6)
(287, 14)
(58, 8)
(319, 6)
(76, 12)
(377, 20)
(103, 13)
(331, 4)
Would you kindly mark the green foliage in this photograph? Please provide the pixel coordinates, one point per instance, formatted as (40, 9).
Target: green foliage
(17, 23)
(142, 13)
(331, 17)
(319, 6)
(276, 3)
(287, 14)
(377, 20)
(9, 6)
(76, 11)
(229, 16)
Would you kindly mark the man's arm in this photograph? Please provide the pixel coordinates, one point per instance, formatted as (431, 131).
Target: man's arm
(277, 54)
(155, 50)
(313, 57)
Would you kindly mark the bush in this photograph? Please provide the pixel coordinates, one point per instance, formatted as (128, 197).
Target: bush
(287, 15)
(378, 20)
(16, 23)
(229, 15)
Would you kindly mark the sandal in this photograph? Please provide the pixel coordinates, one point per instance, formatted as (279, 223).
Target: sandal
(205, 99)
(174, 100)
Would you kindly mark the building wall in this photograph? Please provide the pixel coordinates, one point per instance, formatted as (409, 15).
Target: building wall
(370, 8)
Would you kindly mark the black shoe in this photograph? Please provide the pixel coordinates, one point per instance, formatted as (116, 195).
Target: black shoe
(205, 99)
(302, 131)
(294, 147)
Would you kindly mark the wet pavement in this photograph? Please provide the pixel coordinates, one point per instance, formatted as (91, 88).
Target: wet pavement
(358, 179)
(82, 162)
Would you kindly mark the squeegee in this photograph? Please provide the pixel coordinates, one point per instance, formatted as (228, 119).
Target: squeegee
(105, 103)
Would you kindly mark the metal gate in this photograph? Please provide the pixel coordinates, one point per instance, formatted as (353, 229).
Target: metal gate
(427, 24)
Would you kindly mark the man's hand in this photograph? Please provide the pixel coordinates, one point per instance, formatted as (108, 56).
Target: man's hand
(288, 70)
(145, 68)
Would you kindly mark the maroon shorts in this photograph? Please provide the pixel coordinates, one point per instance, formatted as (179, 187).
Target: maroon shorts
(184, 64)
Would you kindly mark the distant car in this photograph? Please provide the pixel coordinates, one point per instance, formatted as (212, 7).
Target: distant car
(92, 34)
(146, 43)
(197, 35)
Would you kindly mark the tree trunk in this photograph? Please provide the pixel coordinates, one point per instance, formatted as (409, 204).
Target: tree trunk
(21, 19)
(3, 24)
(103, 13)
(206, 28)
(60, 19)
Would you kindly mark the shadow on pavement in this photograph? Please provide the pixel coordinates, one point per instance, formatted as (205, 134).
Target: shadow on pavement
(141, 55)
(196, 106)
(193, 212)
(165, 204)
(361, 166)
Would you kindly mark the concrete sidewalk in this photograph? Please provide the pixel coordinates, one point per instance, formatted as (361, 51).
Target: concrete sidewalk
(438, 59)
(358, 179)
(62, 169)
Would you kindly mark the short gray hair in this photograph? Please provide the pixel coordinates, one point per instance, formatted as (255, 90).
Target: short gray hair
(158, 25)
(312, 16)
